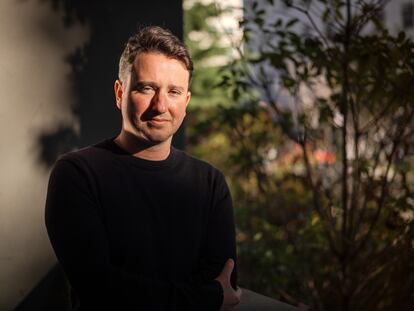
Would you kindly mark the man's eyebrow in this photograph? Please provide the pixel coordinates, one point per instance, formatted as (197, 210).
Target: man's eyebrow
(145, 83)
(177, 87)
(141, 84)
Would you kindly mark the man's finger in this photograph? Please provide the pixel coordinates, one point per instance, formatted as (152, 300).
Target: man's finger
(238, 292)
(237, 297)
(228, 268)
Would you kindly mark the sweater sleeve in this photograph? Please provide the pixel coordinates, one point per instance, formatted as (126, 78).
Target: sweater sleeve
(220, 244)
(78, 237)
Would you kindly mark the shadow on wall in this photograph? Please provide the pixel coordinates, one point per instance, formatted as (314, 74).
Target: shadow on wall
(51, 294)
(94, 66)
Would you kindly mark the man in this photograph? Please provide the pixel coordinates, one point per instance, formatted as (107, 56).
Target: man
(135, 223)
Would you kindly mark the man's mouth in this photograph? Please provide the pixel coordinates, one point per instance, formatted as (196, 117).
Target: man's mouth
(158, 121)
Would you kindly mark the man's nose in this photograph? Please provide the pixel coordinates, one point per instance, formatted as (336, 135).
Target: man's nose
(159, 102)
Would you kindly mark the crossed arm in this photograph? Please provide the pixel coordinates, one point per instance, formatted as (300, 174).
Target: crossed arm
(78, 237)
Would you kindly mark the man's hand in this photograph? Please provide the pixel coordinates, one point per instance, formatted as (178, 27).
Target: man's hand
(231, 297)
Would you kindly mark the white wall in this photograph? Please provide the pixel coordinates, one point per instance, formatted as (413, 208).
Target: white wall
(35, 96)
(393, 17)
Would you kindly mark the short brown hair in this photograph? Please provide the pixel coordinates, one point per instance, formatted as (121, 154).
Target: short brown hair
(153, 39)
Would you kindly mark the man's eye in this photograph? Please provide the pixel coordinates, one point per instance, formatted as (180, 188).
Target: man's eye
(145, 89)
(175, 92)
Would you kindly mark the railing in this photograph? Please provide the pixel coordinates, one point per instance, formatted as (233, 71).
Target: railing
(251, 301)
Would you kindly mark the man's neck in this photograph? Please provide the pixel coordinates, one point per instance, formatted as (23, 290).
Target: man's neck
(138, 149)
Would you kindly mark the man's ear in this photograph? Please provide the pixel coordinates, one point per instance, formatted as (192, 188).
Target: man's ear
(118, 93)
(188, 98)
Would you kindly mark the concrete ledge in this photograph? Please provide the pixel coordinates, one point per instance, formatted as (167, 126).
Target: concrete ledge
(251, 301)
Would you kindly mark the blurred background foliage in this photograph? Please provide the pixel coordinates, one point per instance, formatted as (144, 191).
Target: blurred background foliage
(314, 132)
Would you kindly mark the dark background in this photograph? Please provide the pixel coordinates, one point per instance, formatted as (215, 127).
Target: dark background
(94, 69)
(95, 65)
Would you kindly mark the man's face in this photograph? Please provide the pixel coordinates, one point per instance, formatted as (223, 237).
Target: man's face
(154, 99)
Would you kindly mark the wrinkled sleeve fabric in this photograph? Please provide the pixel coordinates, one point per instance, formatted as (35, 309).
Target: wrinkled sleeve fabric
(78, 237)
(220, 244)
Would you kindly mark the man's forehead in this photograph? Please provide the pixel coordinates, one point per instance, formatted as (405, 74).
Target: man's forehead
(155, 58)
(152, 61)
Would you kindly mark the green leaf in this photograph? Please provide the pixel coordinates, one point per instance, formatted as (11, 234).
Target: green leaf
(292, 22)
(401, 37)
(278, 23)
(259, 21)
(254, 5)
(288, 82)
(326, 14)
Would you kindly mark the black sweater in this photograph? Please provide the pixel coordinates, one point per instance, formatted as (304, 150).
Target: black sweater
(134, 234)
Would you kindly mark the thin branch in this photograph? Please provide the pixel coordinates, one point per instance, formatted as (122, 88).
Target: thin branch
(316, 202)
(378, 116)
(344, 128)
(368, 183)
(312, 21)
(356, 174)
(398, 135)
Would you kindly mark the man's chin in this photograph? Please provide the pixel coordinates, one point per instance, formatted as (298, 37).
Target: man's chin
(152, 139)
